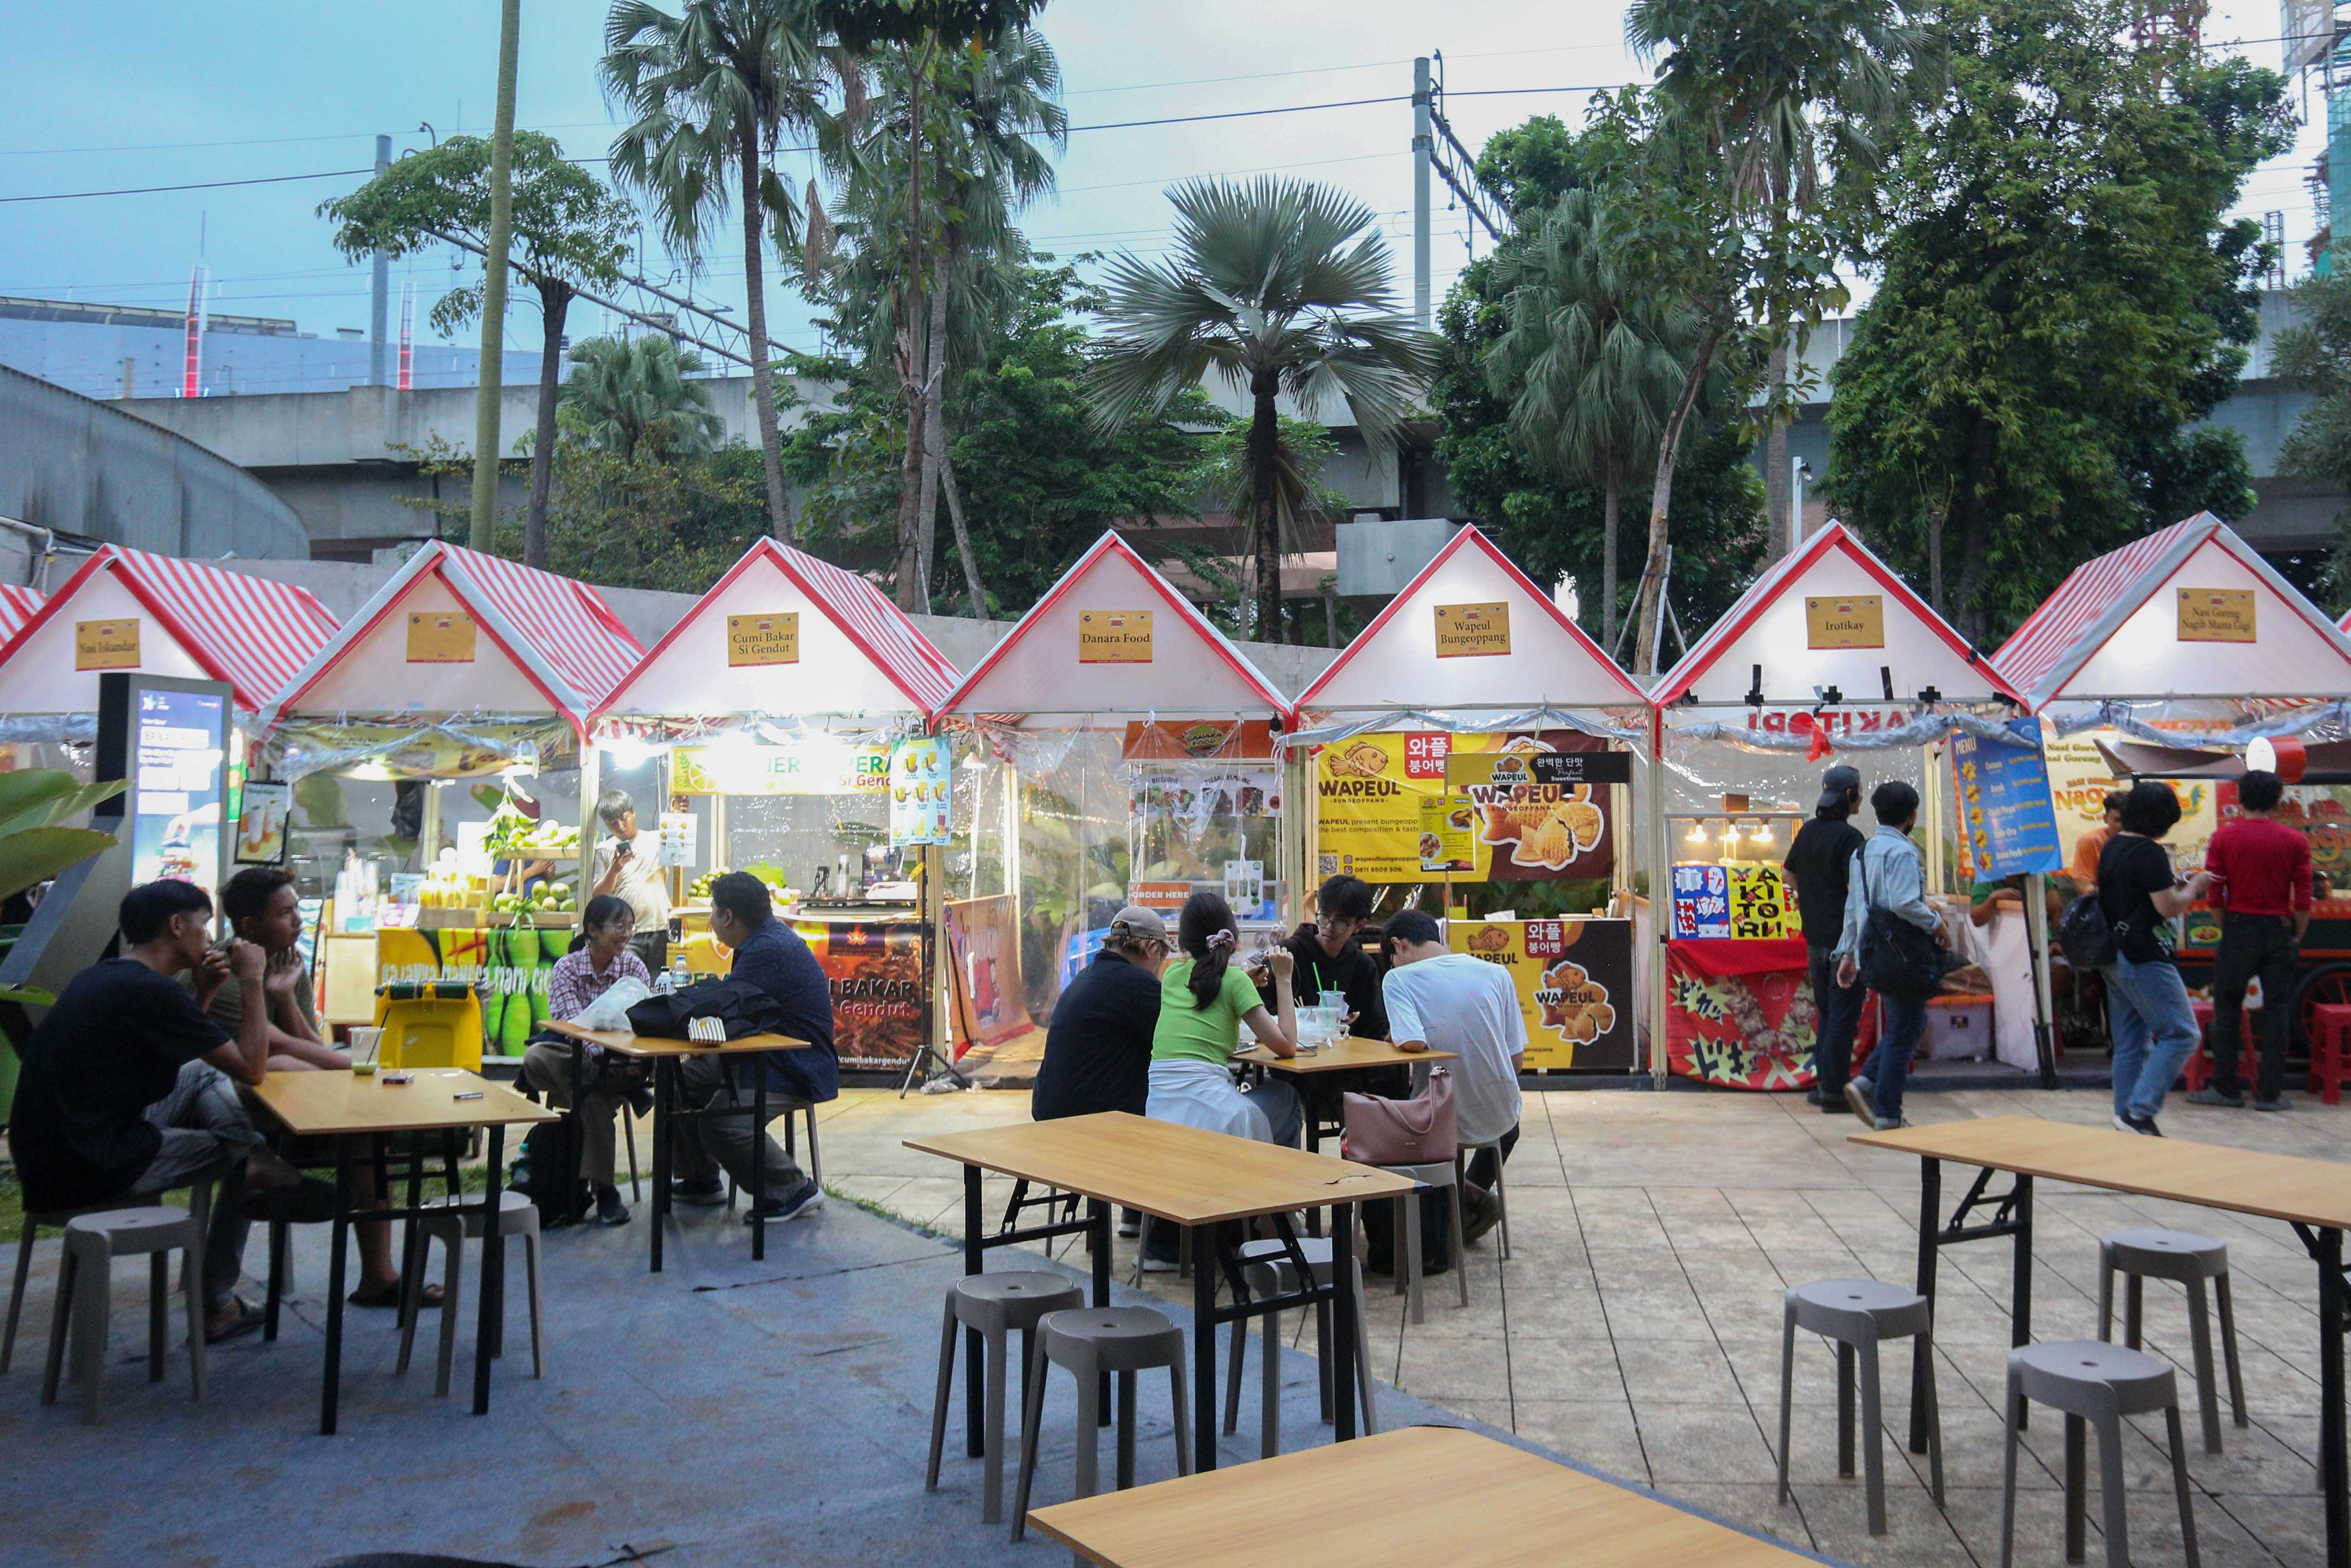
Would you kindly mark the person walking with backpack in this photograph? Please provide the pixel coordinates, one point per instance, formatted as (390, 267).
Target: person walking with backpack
(2154, 1026)
(1887, 894)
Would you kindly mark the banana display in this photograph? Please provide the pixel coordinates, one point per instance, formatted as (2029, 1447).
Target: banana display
(516, 968)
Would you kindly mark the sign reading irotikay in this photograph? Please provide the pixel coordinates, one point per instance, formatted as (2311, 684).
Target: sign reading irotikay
(2216, 615)
(107, 644)
(1113, 636)
(440, 637)
(1472, 631)
(1844, 620)
(763, 639)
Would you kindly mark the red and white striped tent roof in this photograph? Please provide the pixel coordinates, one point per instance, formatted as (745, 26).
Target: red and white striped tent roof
(851, 651)
(1531, 653)
(17, 605)
(161, 615)
(1113, 638)
(456, 630)
(1831, 614)
(2113, 629)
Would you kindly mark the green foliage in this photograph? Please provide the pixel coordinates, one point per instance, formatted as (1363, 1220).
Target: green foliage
(863, 25)
(2062, 299)
(35, 845)
(633, 396)
(2313, 355)
(675, 523)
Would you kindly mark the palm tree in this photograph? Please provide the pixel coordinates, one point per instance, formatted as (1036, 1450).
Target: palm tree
(1279, 285)
(1590, 363)
(712, 90)
(627, 397)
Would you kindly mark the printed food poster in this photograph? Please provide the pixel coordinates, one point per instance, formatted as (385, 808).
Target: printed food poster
(2007, 810)
(1449, 838)
(1740, 1015)
(879, 987)
(922, 808)
(1369, 792)
(984, 943)
(1574, 981)
(2079, 781)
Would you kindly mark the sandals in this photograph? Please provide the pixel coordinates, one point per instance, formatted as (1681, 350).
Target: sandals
(247, 1320)
(389, 1296)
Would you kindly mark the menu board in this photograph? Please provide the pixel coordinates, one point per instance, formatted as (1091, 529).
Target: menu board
(1574, 981)
(2008, 818)
(175, 810)
(922, 807)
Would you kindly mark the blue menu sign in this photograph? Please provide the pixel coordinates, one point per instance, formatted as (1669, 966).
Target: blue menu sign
(2005, 811)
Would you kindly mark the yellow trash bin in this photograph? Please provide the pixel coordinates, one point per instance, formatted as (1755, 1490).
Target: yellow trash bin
(434, 1023)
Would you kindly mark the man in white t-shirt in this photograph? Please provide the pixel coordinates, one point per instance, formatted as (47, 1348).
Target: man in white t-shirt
(1439, 999)
(628, 866)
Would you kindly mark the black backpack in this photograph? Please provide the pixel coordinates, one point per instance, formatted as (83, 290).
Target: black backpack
(741, 1006)
(2089, 940)
(550, 1173)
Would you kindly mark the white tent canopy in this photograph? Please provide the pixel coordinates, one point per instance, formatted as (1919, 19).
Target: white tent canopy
(1114, 638)
(781, 633)
(1830, 615)
(2191, 612)
(1472, 632)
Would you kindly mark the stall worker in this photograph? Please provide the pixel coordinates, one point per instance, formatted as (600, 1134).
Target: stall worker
(1819, 863)
(2261, 880)
(628, 866)
(2092, 844)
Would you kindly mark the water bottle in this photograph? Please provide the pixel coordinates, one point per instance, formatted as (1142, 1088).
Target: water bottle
(680, 977)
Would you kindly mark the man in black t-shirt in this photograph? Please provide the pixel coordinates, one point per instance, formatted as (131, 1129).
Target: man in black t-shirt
(1098, 1047)
(1328, 957)
(1820, 862)
(126, 1088)
(2148, 1008)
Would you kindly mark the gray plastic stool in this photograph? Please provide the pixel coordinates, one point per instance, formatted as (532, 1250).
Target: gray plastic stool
(2090, 1380)
(34, 1219)
(1406, 1247)
(1091, 1342)
(1501, 1198)
(1857, 1314)
(2191, 1259)
(994, 1305)
(453, 1222)
(84, 1291)
(1267, 1269)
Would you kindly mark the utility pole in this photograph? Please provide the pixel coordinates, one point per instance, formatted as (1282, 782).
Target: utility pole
(1424, 149)
(482, 529)
(379, 298)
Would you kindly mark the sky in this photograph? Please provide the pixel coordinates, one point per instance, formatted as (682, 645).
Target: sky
(108, 96)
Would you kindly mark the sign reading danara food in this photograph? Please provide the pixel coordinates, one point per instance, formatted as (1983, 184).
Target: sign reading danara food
(1387, 812)
(763, 639)
(1113, 636)
(107, 644)
(2216, 615)
(1574, 981)
(1472, 631)
(1844, 620)
(440, 637)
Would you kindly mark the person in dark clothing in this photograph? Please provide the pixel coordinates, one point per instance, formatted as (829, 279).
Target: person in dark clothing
(1098, 1047)
(771, 955)
(1820, 862)
(2261, 880)
(2154, 1023)
(1329, 958)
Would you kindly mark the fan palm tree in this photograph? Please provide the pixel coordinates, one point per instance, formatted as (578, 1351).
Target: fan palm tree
(1590, 364)
(712, 88)
(1279, 285)
(632, 397)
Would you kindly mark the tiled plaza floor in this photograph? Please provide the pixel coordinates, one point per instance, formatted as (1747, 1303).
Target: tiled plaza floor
(1637, 1327)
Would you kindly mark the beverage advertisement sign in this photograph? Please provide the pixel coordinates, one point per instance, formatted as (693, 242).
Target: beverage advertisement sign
(921, 806)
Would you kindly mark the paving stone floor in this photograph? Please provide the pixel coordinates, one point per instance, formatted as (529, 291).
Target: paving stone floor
(1636, 1326)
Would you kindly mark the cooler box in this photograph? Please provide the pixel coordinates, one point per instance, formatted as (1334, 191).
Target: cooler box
(1959, 1029)
(437, 1023)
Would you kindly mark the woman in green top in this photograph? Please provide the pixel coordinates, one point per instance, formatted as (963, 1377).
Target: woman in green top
(1204, 1000)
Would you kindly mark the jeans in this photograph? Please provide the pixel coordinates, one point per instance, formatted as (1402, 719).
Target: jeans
(1283, 1108)
(2155, 1032)
(603, 1089)
(2251, 946)
(705, 1143)
(1837, 1010)
(1888, 1068)
(1486, 1164)
(207, 1137)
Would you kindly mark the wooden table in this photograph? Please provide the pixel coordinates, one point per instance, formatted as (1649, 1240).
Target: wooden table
(2311, 1195)
(1351, 1054)
(665, 1055)
(1424, 1494)
(1205, 1182)
(347, 1105)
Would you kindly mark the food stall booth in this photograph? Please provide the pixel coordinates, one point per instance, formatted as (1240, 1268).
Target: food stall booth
(1114, 748)
(2173, 658)
(783, 727)
(1829, 657)
(18, 605)
(1474, 749)
(430, 757)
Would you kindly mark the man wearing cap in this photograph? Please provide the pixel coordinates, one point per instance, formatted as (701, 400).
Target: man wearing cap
(1820, 862)
(1098, 1047)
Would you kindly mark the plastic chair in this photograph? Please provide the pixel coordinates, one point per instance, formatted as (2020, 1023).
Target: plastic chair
(2191, 1259)
(34, 1219)
(1407, 1247)
(2330, 1049)
(994, 1305)
(2091, 1381)
(1857, 1314)
(85, 1289)
(1091, 1342)
(1267, 1269)
(453, 1226)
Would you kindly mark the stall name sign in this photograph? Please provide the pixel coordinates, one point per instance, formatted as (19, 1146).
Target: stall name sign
(107, 644)
(2217, 615)
(837, 770)
(1828, 721)
(1573, 978)
(1722, 902)
(2008, 817)
(1844, 620)
(1701, 903)
(1114, 636)
(1472, 631)
(440, 637)
(763, 639)
(1760, 902)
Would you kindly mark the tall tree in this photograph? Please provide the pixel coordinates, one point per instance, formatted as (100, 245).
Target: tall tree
(712, 90)
(490, 391)
(572, 234)
(2063, 299)
(1279, 285)
(632, 399)
(2313, 355)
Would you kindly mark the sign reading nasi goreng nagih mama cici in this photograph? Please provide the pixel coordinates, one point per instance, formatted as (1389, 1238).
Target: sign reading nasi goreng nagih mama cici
(1113, 636)
(1472, 631)
(2217, 615)
(763, 639)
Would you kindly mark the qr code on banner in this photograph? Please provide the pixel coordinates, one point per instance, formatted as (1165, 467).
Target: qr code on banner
(1326, 865)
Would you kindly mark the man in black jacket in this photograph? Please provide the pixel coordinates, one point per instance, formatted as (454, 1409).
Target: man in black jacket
(1328, 957)
(1098, 1047)
(1820, 862)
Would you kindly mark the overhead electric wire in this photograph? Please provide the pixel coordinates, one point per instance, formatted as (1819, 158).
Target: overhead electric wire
(195, 185)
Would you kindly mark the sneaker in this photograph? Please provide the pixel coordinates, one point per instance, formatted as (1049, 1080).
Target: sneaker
(2143, 1126)
(1813, 1096)
(1857, 1099)
(808, 1200)
(609, 1210)
(2275, 1103)
(2209, 1095)
(708, 1192)
(1891, 1123)
(1154, 1264)
(1478, 1217)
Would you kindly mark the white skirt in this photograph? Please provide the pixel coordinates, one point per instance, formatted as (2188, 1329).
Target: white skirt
(1195, 1094)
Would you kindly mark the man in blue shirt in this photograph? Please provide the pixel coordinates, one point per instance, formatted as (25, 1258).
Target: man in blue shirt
(1886, 874)
(770, 956)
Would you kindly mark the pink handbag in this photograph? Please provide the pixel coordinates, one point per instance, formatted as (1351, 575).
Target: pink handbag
(1420, 1131)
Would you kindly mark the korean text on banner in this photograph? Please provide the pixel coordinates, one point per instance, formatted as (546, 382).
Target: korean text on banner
(1549, 823)
(2008, 820)
(1574, 981)
(921, 793)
